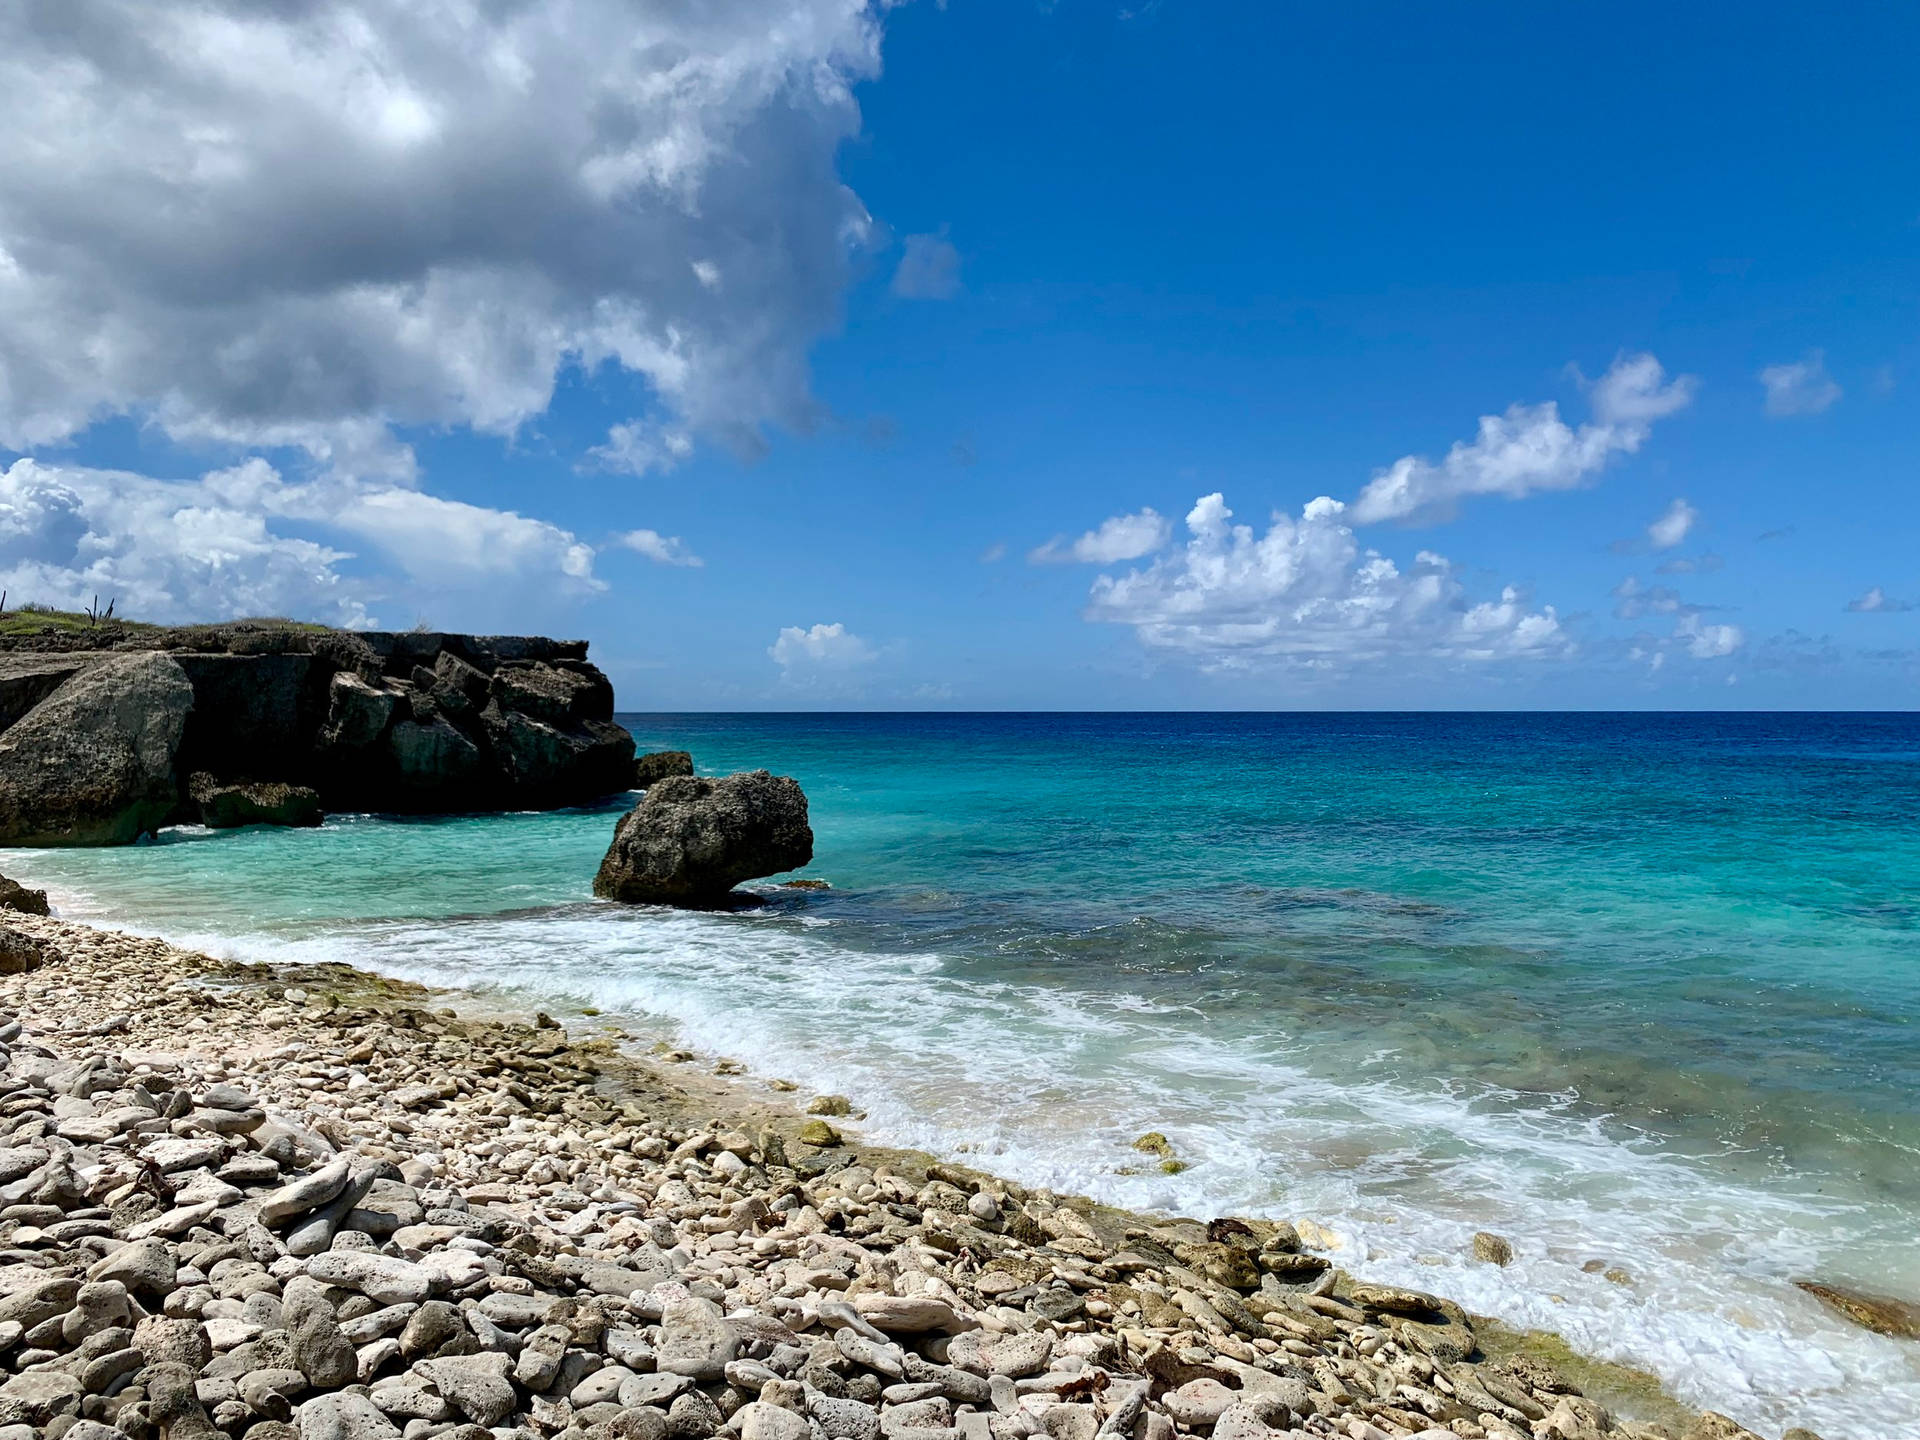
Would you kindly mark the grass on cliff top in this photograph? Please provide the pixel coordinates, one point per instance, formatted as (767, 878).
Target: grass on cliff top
(37, 620)
(34, 621)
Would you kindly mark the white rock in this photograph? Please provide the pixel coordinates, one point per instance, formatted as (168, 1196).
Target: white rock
(378, 1277)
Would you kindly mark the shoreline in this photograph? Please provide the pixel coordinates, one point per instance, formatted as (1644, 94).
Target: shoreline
(1205, 1323)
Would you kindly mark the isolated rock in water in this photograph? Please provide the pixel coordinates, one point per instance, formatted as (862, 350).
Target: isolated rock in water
(1493, 1249)
(15, 896)
(19, 951)
(1879, 1313)
(93, 764)
(659, 765)
(223, 807)
(692, 839)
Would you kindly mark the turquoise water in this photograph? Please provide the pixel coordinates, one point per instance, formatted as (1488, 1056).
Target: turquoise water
(1637, 989)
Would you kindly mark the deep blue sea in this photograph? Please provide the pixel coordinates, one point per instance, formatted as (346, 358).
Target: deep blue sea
(1639, 992)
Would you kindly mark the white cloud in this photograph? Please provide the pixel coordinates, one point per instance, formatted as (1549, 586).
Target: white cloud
(1530, 448)
(1701, 639)
(1876, 601)
(639, 447)
(303, 224)
(1123, 537)
(1305, 592)
(1708, 642)
(929, 269)
(662, 549)
(1672, 527)
(823, 647)
(1802, 388)
(218, 546)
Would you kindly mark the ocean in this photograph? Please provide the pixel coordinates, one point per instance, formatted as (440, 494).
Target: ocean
(1637, 992)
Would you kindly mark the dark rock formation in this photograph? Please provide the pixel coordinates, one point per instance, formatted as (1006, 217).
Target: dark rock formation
(691, 839)
(15, 896)
(228, 806)
(93, 763)
(19, 951)
(659, 765)
(283, 721)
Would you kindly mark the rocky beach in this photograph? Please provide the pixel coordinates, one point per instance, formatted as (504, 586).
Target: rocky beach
(278, 1201)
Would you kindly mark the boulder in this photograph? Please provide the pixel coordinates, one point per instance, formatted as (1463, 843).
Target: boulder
(15, 896)
(93, 764)
(556, 694)
(228, 806)
(357, 713)
(659, 765)
(690, 840)
(20, 952)
(1882, 1314)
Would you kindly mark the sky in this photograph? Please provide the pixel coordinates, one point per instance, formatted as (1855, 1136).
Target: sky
(1027, 354)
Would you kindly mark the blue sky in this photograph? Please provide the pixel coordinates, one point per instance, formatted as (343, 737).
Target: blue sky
(928, 332)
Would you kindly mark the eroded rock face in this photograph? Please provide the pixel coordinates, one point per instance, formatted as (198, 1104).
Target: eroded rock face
(225, 807)
(93, 763)
(692, 839)
(277, 723)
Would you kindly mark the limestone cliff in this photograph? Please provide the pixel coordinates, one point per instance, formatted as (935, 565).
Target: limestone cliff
(99, 745)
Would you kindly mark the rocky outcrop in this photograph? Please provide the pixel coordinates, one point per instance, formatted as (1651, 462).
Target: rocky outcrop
(93, 763)
(659, 765)
(1881, 1314)
(226, 807)
(280, 722)
(15, 896)
(691, 839)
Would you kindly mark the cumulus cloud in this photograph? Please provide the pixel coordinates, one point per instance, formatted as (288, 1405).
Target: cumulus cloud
(1672, 527)
(1708, 642)
(303, 224)
(1701, 639)
(1123, 537)
(1802, 388)
(1876, 601)
(661, 549)
(228, 543)
(929, 269)
(1306, 592)
(819, 648)
(1530, 448)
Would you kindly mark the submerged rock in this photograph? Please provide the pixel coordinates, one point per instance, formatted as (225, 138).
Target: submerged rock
(93, 763)
(691, 840)
(1881, 1314)
(226, 807)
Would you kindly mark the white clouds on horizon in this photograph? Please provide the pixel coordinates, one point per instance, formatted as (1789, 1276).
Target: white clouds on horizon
(217, 546)
(1673, 525)
(820, 648)
(305, 225)
(1530, 449)
(1123, 537)
(1801, 388)
(1876, 601)
(1306, 593)
(1701, 639)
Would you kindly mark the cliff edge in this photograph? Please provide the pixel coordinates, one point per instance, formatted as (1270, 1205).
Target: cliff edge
(106, 734)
